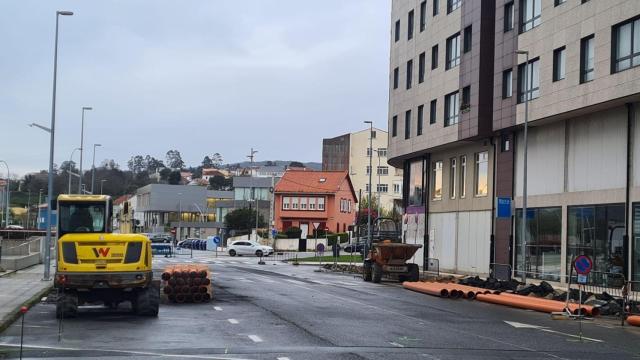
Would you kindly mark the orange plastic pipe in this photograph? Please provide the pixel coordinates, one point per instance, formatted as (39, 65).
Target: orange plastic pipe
(587, 309)
(542, 305)
(426, 288)
(633, 320)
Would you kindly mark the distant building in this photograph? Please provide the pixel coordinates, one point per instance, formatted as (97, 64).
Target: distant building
(350, 152)
(303, 198)
(209, 173)
(269, 171)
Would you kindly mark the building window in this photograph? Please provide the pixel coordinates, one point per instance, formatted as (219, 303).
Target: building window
(416, 183)
(559, 63)
(368, 152)
(543, 234)
(466, 98)
(409, 73)
(349, 206)
(598, 231)
(368, 170)
(407, 124)
(434, 56)
(505, 143)
(285, 202)
(383, 170)
(432, 111)
(626, 45)
(320, 203)
(303, 203)
(508, 16)
(533, 81)
(529, 14)
(467, 39)
(452, 5)
(437, 180)
(453, 51)
(452, 178)
(294, 203)
(436, 5)
(382, 152)
(421, 66)
(463, 176)
(482, 173)
(382, 188)
(373, 134)
(397, 32)
(423, 15)
(587, 59)
(507, 84)
(366, 187)
(558, 2)
(397, 188)
(396, 75)
(420, 120)
(410, 26)
(312, 203)
(394, 126)
(451, 109)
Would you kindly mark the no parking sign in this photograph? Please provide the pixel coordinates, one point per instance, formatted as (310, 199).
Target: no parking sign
(583, 266)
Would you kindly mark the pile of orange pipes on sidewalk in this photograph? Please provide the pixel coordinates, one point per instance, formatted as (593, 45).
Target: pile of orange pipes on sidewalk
(454, 291)
(187, 283)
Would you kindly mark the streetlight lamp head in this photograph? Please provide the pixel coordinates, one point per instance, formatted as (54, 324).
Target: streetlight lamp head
(522, 52)
(97, 144)
(87, 108)
(368, 122)
(65, 13)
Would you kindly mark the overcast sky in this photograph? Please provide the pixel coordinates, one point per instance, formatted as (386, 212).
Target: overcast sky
(197, 76)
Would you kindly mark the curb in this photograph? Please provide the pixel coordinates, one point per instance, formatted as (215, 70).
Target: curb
(13, 316)
(8, 273)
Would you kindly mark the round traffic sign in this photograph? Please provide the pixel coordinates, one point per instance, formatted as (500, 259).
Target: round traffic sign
(320, 248)
(216, 240)
(583, 265)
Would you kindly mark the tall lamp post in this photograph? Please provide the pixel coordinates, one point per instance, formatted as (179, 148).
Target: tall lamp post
(52, 131)
(93, 167)
(368, 243)
(7, 215)
(69, 171)
(39, 203)
(524, 163)
(102, 184)
(84, 108)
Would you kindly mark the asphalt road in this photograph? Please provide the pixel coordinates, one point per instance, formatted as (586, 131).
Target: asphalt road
(286, 312)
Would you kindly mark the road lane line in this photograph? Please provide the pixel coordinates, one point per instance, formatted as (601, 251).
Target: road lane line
(283, 358)
(217, 308)
(295, 282)
(255, 338)
(233, 321)
(396, 344)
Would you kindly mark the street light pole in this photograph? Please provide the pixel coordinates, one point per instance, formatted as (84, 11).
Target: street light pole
(93, 167)
(7, 215)
(524, 163)
(368, 243)
(47, 247)
(69, 170)
(82, 146)
(101, 184)
(39, 203)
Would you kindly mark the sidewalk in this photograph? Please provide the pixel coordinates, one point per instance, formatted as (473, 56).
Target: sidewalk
(21, 288)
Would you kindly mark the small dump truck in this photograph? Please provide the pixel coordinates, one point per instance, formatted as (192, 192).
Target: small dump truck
(96, 266)
(389, 255)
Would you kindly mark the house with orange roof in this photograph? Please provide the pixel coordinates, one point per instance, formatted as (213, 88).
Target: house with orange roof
(305, 198)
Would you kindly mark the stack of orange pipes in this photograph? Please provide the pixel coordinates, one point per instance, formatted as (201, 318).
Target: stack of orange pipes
(187, 283)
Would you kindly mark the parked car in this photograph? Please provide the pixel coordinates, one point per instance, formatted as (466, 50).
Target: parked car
(246, 247)
(158, 238)
(356, 247)
(15, 227)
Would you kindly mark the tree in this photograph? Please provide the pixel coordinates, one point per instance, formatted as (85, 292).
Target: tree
(207, 163)
(68, 166)
(109, 164)
(136, 164)
(296, 164)
(216, 161)
(174, 159)
(243, 219)
(174, 177)
(152, 164)
(164, 174)
(219, 182)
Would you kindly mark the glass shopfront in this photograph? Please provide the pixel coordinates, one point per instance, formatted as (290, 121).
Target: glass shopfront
(543, 234)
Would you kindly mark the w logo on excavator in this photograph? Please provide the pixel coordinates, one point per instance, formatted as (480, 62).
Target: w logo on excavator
(100, 252)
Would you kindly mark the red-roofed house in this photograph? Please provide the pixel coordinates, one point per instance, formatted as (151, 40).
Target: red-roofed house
(306, 197)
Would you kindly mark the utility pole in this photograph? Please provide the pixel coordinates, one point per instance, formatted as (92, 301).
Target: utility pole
(271, 209)
(28, 209)
(82, 147)
(524, 163)
(251, 157)
(7, 215)
(368, 243)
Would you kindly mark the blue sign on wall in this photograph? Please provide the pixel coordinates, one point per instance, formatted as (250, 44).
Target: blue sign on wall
(504, 208)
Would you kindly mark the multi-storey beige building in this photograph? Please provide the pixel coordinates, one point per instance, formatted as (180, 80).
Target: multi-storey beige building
(351, 152)
(456, 117)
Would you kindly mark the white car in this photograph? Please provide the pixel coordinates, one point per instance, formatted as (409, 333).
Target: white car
(247, 247)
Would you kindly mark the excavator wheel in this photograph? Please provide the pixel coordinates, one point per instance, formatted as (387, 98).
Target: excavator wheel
(147, 301)
(67, 305)
(414, 272)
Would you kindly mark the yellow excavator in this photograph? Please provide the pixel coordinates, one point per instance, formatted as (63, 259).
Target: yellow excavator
(95, 265)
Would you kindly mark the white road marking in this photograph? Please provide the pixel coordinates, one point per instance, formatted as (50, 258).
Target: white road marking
(246, 280)
(518, 325)
(396, 344)
(132, 352)
(217, 308)
(295, 282)
(255, 338)
(283, 358)
(233, 321)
